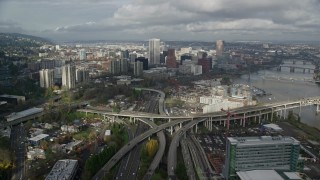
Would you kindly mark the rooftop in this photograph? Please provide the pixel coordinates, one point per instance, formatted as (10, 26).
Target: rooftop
(267, 175)
(38, 137)
(274, 127)
(24, 113)
(63, 169)
(11, 96)
(263, 140)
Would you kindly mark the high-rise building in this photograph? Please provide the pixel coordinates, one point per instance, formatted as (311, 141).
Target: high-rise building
(115, 67)
(48, 63)
(260, 153)
(132, 57)
(163, 56)
(82, 54)
(69, 76)
(82, 75)
(219, 47)
(138, 68)
(185, 57)
(46, 78)
(125, 54)
(206, 64)
(171, 59)
(124, 65)
(144, 61)
(154, 51)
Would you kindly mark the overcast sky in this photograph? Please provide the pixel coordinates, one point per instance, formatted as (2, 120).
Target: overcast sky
(205, 20)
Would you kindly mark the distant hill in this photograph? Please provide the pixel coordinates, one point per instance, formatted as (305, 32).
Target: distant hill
(21, 40)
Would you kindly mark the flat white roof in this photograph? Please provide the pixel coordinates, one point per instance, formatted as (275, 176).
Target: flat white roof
(63, 169)
(21, 114)
(259, 175)
(38, 137)
(11, 96)
(273, 126)
(242, 141)
(292, 175)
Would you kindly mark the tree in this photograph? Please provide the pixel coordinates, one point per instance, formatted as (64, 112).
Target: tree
(152, 147)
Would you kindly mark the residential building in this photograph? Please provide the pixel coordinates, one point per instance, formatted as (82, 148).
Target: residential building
(115, 67)
(154, 51)
(46, 78)
(260, 153)
(82, 55)
(144, 61)
(69, 76)
(124, 65)
(138, 68)
(82, 75)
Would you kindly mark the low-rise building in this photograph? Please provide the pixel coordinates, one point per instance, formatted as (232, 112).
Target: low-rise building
(63, 169)
(35, 141)
(36, 153)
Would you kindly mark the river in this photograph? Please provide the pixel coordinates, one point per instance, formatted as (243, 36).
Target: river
(284, 85)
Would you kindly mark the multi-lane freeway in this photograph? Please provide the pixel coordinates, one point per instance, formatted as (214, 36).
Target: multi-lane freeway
(18, 137)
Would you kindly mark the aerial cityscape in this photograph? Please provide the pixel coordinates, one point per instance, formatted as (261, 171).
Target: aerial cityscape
(157, 90)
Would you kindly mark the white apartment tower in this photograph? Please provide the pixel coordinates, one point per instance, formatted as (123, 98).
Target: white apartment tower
(46, 78)
(69, 76)
(219, 47)
(154, 51)
(82, 75)
(82, 54)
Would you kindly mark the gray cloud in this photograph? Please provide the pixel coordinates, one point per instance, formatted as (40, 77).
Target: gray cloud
(170, 19)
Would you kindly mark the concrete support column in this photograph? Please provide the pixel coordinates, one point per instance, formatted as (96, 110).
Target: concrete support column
(180, 125)
(224, 123)
(271, 114)
(318, 108)
(113, 119)
(260, 119)
(171, 130)
(169, 119)
(86, 113)
(244, 120)
(211, 126)
(285, 111)
(197, 128)
(130, 119)
(134, 120)
(300, 110)
(255, 119)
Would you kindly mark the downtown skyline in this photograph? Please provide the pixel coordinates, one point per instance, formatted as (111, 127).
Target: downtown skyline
(165, 19)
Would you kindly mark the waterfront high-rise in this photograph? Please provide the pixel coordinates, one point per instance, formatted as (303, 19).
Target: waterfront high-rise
(154, 51)
(219, 47)
(69, 76)
(260, 153)
(46, 78)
